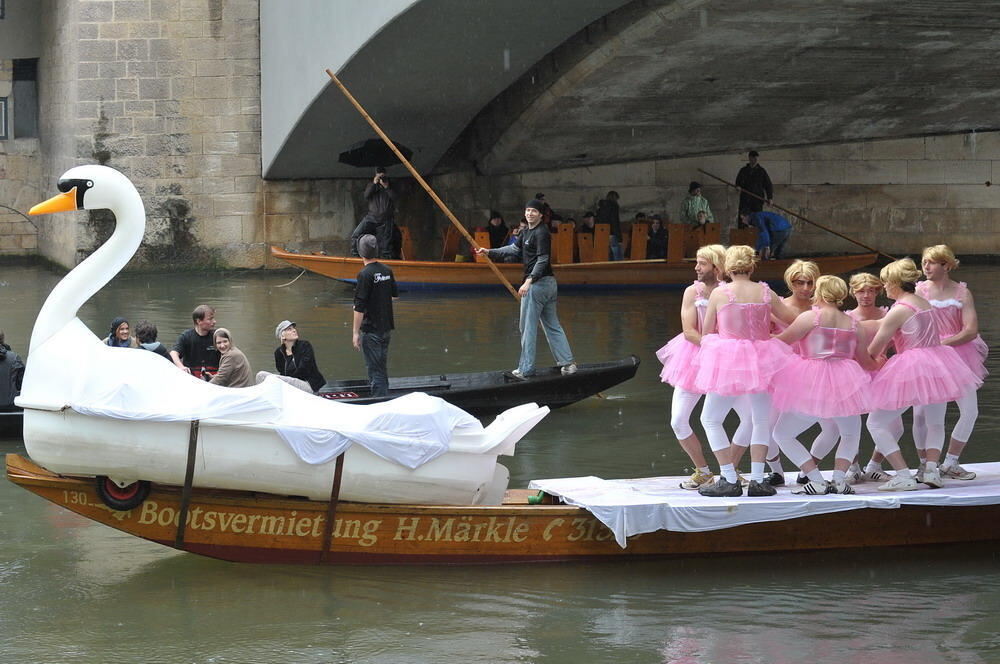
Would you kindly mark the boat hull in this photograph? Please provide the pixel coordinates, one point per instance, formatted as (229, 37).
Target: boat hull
(606, 274)
(492, 392)
(248, 527)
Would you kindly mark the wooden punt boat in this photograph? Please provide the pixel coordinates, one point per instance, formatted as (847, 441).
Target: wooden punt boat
(491, 392)
(606, 274)
(252, 527)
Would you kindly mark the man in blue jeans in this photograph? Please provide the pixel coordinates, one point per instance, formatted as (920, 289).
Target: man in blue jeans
(373, 324)
(538, 293)
(773, 232)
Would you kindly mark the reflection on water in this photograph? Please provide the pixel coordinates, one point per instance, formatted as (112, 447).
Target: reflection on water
(77, 591)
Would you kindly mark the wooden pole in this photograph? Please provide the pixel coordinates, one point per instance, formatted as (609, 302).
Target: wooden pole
(418, 178)
(331, 508)
(799, 216)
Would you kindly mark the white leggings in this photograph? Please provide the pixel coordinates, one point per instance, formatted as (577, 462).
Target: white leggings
(791, 424)
(968, 413)
(882, 426)
(716, 407)
(829, 433)
(682, 404)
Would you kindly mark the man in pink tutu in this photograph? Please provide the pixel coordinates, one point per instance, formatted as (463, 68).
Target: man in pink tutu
(958, 326)
(679, 363)
(826, 381)
(741, 358)
(922, 374)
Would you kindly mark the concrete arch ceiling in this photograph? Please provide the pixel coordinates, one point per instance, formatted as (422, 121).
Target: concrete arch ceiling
(424, 73)
(687, 78)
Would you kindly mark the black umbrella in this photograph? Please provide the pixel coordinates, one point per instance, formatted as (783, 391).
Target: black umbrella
(373, 152)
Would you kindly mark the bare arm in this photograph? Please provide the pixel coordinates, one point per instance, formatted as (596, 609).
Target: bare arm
(715, 299)
(888, 327)
(861, 355)
(970, 324)
(356, 336)
(175, 357)
(799, 328)
(782, 311)
(689, 316)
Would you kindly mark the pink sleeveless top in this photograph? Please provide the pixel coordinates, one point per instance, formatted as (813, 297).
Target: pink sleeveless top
(947, 313)
(829, 343)
(745, 320)
(920, 331)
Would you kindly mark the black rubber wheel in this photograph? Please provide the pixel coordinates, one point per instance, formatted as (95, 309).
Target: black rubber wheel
(119, 498)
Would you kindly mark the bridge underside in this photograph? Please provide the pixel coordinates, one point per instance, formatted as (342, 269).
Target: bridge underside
(657, 79)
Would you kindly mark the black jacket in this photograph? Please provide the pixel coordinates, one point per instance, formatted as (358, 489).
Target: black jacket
(11, 375)
(301, 364)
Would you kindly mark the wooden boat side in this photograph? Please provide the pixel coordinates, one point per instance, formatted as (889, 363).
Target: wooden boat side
(247, 527)
(615, 274)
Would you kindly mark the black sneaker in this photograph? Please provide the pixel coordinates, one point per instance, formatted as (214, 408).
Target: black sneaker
(760, 489)
(801, 479)
(720, 488)
(774, 479)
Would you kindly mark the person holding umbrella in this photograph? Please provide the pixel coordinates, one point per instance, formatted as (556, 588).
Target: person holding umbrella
(380, 220)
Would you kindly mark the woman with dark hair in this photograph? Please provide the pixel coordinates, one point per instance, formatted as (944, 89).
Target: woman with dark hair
(118, 336)
(145, 333)
(497, 229)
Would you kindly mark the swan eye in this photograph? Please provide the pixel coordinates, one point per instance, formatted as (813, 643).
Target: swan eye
(81, 186)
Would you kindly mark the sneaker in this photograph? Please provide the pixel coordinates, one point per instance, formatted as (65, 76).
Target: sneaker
(876, 476)
(956, 472)
(568, 369)
(843, 488)
(720, 488)
(932, 478)
(696, 480)
(517, 375)
(898, 483)
(813, 488)
(801, 479)
(774, 479)
(760, 489)
(854, 475)
(920, 471)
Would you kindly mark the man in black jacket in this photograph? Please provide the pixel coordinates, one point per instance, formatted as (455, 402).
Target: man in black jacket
(539, 293)
(380, 220)
(754, 179)
(11, 375)
(375, 289)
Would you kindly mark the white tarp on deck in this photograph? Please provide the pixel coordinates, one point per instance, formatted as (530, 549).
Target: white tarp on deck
(633, 507)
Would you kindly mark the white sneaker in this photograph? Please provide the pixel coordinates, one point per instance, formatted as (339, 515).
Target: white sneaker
(956, 472)
(568, 369)
(843, 488)
(854, 474)
(516, 373)
(920, 471)
(899, 483)
(876, 475)
(813, 488)
(932, 478)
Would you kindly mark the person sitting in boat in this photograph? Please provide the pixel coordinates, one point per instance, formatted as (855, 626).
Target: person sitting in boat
(145, 334)
(11, 375)
(514, 233)
(497, 229)
(295, 360)
(656, 241)
(234, 368)
(118, 336)
(195, 351)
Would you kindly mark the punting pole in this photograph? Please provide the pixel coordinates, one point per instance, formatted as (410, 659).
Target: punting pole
(418, 178)
(799, 216)
(188, 482)
(331, 509)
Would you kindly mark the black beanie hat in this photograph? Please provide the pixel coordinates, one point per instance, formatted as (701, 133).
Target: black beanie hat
(536, 204)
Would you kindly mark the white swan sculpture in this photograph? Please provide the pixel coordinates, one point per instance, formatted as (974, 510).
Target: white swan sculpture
(124, 414)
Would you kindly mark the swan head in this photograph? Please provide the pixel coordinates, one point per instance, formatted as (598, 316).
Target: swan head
(90, 187)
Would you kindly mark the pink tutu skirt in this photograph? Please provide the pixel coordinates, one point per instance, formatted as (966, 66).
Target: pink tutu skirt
(678, 358)
(973, 353)
(922, 376)
(822, 388)
(732, 367)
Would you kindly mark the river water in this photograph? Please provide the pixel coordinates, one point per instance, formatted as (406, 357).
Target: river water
(76, 591)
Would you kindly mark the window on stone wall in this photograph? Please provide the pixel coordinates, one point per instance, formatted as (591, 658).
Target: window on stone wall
(1, 10)
(3, 118)
(25, 94)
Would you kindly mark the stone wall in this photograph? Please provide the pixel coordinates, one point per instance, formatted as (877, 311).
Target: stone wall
(20, 171)
(166, 91)
(898, 195)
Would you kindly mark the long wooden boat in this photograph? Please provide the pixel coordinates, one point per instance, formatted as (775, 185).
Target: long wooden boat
(491, 392)
(606, 274)
(252, 527)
